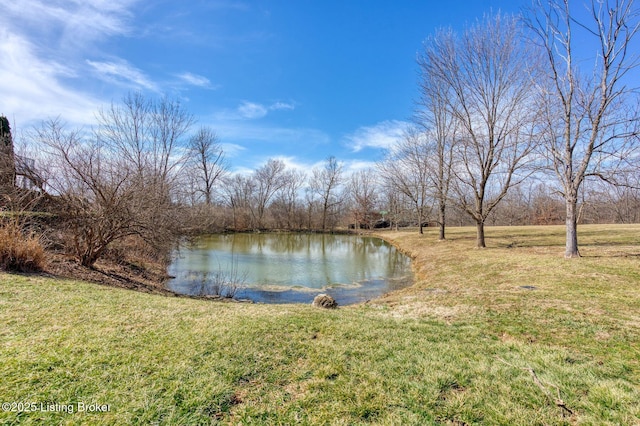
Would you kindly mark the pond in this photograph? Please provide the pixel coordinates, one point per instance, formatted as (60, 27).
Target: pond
(289, 268)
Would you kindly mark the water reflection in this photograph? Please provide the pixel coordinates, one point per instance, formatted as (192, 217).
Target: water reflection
(284, 268)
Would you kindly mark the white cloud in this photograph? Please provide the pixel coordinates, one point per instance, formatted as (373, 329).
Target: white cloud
(270, 134)
(292, 163)
(42, 44)
(78, 22)
(351, 166)
(122, 73)
(282, 106)
(251, 110)
(382, 135)
(231, 149)
(241, 170)
(31, 87)
(196, 80)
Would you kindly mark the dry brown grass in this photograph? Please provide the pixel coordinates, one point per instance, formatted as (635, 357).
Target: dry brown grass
(453, 277)
(20, 251)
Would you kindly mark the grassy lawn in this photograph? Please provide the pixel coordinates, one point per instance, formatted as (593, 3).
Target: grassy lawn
(465, 345)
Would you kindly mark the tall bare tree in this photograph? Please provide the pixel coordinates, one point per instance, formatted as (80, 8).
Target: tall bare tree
(239, 190)
(406, 170)
(148, 134)
(591, 114)
(207, 158)
(269, 179)
(488, 72)
(440, 126)
(326, 183)
(287, 198)
(364, 192)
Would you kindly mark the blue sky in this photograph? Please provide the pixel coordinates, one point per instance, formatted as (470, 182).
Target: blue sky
(296, 80)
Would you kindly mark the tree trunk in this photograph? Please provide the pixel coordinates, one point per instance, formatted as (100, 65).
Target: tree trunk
(480, 238)
(571, 248)
(441, 220)
(235, 220)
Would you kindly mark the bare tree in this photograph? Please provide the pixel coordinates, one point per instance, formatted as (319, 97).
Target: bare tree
(98, 200)
(311, 206)
(489, 74)
(287, 198)
(591, 116)
(239, 190)
(269, 179)
(440, 125)
(364, 193)
(207, 158)
(326, 184)
(406, 170)
(121, 180)
(394, 203)
(148, 135)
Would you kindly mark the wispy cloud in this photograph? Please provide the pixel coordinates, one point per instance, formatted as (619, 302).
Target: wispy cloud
(248, 110)
(123, 73)
(196, 80)
(381, 136)
(76, 22)
(282, 106)
(251, 110)
(32, 88)
(231, 149)
(291, 163)
(351, 166)
(277, 135)
(294, 163)
(42, 45)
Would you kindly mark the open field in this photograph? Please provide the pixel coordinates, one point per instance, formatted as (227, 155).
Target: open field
(467, 344)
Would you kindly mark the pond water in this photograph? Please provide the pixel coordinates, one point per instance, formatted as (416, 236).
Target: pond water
(289, 268)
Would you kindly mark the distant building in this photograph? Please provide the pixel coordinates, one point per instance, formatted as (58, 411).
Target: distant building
(27, 177)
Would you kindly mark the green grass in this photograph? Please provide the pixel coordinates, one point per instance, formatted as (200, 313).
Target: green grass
(456, 348)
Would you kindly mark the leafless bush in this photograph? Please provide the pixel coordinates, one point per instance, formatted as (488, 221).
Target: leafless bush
(120, 180)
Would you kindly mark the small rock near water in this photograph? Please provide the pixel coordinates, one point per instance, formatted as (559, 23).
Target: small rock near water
(325, 301)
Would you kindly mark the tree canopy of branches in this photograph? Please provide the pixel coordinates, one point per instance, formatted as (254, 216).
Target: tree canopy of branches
(591, 118)
(439, 126)
(207, 163)
(406, 171)
(119, 180)
(363, 189)
(287, 203)
(269, 179)
(238, 190)
(326, 184)
(486, 74)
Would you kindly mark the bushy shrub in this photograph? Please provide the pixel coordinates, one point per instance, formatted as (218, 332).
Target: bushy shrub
(20, 252)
